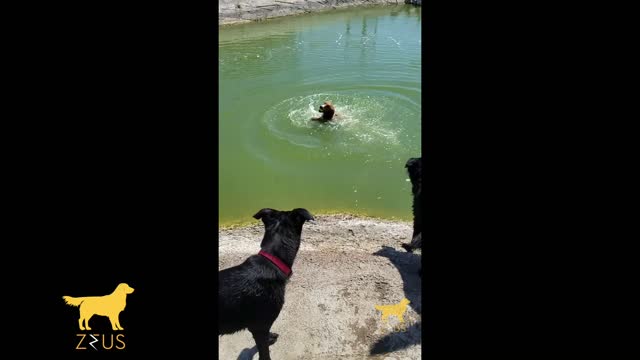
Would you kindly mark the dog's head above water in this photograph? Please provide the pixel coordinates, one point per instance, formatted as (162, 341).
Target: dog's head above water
(327, 109)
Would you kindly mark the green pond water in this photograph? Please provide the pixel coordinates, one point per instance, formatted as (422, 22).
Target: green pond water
(273, 76)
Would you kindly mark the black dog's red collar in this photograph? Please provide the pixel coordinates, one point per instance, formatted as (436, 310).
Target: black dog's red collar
(277, 262)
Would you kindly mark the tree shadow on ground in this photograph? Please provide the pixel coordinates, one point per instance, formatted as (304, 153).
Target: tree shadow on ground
(408, 265)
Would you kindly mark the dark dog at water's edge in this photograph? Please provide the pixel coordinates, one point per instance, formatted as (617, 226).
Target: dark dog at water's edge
(414, 168)
(251, 295)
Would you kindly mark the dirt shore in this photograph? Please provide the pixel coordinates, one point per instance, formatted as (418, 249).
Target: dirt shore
(239, 11)
(346, 265)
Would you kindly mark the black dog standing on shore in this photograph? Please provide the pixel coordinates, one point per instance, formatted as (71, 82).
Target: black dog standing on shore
(414, 168)
(251, 295)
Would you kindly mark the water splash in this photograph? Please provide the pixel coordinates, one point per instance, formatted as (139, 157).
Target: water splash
(365, 122)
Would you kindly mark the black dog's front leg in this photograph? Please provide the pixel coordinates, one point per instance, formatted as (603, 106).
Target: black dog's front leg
(262, 338)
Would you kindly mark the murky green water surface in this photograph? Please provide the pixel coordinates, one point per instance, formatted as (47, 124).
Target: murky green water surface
(273, 77)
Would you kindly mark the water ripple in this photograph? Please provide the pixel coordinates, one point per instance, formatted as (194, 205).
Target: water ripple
(367, 121)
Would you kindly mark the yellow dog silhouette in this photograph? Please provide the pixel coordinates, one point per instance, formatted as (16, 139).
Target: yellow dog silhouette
(398, 310)
(109, 305)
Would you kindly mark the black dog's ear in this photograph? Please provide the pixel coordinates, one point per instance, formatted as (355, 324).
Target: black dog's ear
(262, 213)
(304, 214)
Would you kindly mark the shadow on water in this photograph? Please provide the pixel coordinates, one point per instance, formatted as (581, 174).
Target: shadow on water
(408, 265)
(248, 353)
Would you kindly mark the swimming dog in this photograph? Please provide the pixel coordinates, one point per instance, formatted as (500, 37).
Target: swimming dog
(328, 112)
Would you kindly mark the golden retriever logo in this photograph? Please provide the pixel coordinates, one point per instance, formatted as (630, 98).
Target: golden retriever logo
(397, 309)
(109, 305)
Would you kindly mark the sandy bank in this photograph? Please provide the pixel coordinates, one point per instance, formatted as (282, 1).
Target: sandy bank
(346, 265)
(239, 11)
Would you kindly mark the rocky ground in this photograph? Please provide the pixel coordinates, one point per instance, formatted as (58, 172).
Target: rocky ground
(238, 11)
(346, 265)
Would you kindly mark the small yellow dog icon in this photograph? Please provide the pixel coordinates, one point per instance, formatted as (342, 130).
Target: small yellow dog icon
(109, 305)
(398, 310)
